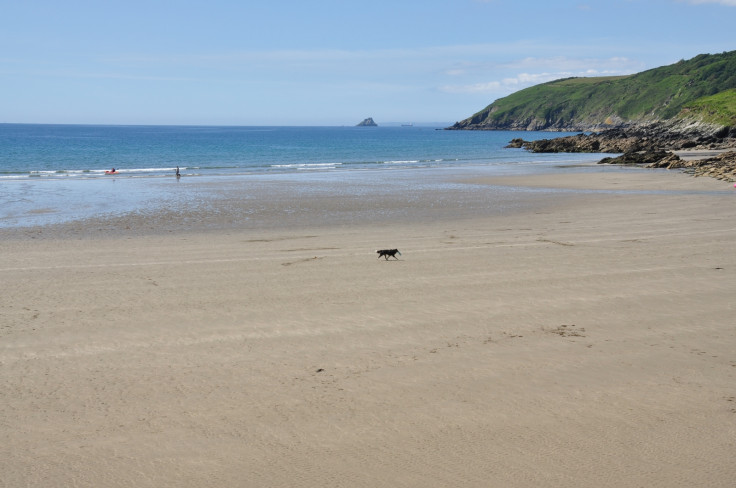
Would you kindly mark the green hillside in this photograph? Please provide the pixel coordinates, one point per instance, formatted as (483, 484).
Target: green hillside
(717, 109)
(593, 103)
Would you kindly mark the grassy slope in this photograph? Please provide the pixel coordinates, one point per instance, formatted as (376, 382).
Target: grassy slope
(660, 93)
(716, 109)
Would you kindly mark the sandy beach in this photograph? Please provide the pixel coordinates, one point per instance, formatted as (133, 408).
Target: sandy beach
(583, 338)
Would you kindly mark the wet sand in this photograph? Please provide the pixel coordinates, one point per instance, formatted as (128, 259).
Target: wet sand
(578, 338)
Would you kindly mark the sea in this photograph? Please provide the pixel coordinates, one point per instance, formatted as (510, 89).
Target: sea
(56, 173)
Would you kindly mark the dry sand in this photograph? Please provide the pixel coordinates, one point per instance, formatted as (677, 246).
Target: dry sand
(588, 340)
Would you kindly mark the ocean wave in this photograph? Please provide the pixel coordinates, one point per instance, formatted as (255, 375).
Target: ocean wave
(88, 172)
(306, 165)
(226, 169)
(145, 170)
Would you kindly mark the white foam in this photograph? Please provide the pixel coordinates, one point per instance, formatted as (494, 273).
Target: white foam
(307, 165)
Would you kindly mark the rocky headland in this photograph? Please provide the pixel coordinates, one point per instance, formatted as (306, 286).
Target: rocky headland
(645, 117)
(653, 145)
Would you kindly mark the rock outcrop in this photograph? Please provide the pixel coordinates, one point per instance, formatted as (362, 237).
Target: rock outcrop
(645, 158)
(367, 123)
(721, 167)
(606, 142)
(659, 136)
(651, 146)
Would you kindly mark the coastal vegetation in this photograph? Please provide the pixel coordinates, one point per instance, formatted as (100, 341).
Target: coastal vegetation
(717, 109)
(700, 88)
(644, 117)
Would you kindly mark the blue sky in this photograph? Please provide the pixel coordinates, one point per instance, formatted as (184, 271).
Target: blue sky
(325, 62)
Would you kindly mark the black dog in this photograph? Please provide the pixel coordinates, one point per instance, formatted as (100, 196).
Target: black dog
(388, 252)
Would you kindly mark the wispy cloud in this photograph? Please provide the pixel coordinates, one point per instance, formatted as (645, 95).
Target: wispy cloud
(321, 55)
(66, 73)
(616, 64)
(530, 71)
(506, 84)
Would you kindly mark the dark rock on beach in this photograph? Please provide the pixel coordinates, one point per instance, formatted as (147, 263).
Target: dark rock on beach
(516, 143)
(651, 145)
(583, 143)
(641, 158)
(721, 167)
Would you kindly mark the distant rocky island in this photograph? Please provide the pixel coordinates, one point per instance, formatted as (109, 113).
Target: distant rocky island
(687, 105)
(367, 123)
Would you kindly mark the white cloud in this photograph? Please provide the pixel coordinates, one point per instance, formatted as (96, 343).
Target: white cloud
(455, 72)
(522, 80)
(616, 64)
(526, 72)
(490, 87)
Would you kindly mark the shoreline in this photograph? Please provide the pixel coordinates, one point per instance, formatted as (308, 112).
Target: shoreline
(699, 154)
(155, 207)
(576, 334)
(706, 151)
(248, 204)
(619, 179)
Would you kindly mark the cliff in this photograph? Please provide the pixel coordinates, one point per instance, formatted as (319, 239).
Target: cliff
(593, 104)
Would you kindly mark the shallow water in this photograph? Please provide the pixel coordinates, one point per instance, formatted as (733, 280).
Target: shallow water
(51, 174)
